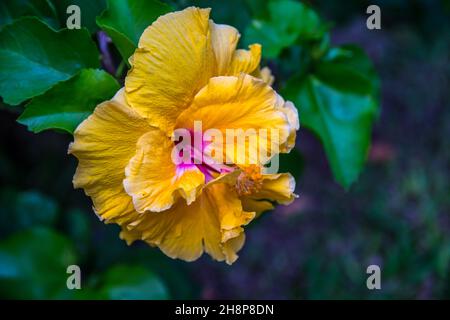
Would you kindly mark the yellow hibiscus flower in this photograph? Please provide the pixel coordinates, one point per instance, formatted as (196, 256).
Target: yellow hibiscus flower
(186, 68)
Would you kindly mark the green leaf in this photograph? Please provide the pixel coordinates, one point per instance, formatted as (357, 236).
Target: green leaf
(69, 102)
(33, 58)
(13, 9)
(339, 102)
(288, 22)
(33, 264)
(125, 20)
(132, 282)
(89, 11)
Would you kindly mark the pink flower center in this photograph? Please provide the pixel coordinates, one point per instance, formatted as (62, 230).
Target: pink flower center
(197, 158)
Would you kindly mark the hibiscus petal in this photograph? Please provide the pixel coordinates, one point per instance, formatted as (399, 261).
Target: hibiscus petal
(245, 61)
(232, 246)
(275, 187)
(232, 62)
(258, 206)
(291, 113)
(265, 74)
(153, 179)
(241, 103)
(173, 61)
(207, 224)
(103, 144)
(224, 40)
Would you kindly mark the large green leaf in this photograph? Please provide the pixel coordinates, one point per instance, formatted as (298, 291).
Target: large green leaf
(339, 102)
(13, 9)
(125, 20)
(288, 22)
(33, 58)
(132, 282)
(33, 264)
(69, 102)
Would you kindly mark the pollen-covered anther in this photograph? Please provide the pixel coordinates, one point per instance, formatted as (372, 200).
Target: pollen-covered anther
(249, 180)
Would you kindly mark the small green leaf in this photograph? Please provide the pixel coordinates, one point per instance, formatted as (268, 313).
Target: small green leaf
(69, 102)
(13, 9)
(339, 102)
(125, 20)
(132, 282)
(288, 22)
(34, 57)
(33, 264)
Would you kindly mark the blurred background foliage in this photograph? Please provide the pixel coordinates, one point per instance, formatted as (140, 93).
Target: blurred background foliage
(371, 161)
